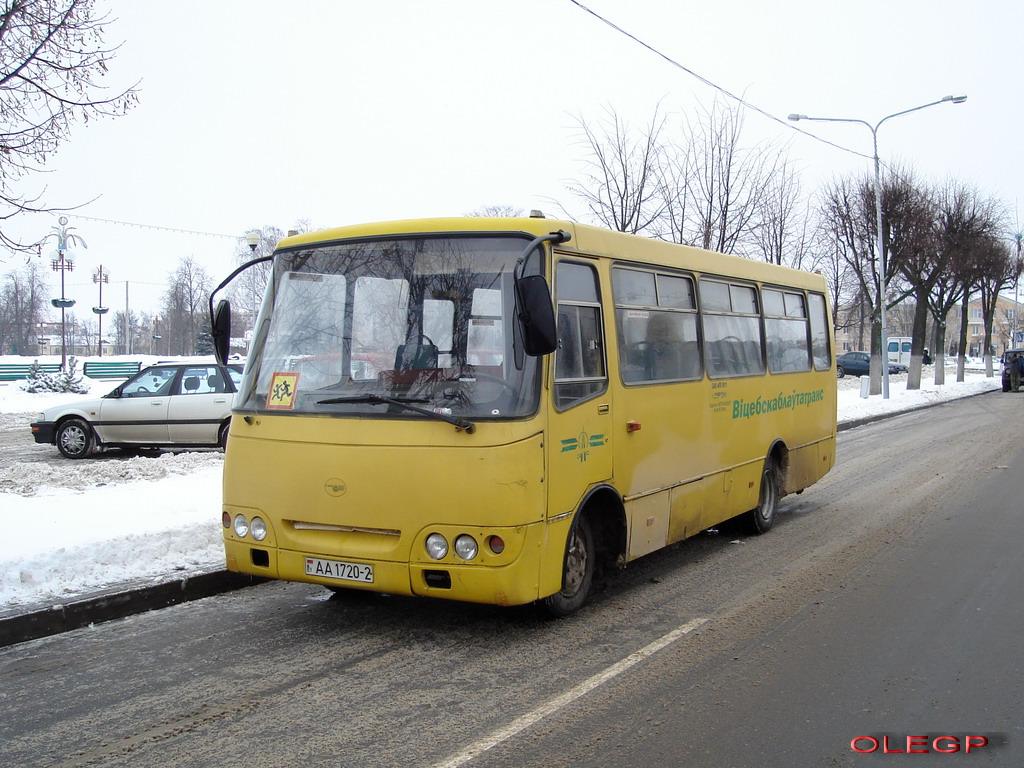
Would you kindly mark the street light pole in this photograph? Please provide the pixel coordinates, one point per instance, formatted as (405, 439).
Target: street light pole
(880, 232)
(64, 262)
(100, 277)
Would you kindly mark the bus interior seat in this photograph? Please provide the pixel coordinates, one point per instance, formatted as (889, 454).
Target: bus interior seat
(416, 355)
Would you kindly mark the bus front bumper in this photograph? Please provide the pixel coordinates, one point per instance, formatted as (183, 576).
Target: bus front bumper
(514, 583)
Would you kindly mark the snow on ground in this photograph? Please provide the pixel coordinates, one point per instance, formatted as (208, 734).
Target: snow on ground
(87, 525)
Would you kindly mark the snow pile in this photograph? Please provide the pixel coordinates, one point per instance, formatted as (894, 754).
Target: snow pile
(87, 525)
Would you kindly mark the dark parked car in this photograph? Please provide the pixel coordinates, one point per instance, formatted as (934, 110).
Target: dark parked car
(176, 405)
(859, 364)
(1006, 365)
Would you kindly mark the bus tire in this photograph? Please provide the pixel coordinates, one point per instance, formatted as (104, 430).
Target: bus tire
(762, 517)
(577, 572)
(75, 439)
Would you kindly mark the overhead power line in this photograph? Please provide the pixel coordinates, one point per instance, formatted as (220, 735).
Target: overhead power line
(154, 226)
(715, 86)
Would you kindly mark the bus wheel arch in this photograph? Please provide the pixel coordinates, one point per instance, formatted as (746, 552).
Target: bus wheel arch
(761, 518)
(779, 454)
(596, 541)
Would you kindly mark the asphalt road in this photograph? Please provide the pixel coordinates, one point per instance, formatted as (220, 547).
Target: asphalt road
(886, 602)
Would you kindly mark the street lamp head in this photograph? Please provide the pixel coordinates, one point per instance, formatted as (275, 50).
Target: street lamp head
(794, 117)
(253, 239)
(955, 99)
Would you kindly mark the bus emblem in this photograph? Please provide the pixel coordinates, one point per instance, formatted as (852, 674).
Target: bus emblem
(582, 444)
(335, 487)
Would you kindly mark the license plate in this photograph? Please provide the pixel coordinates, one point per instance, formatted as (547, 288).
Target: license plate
(336, 569)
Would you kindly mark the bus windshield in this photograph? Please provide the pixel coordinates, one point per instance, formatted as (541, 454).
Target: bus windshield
(363, 327)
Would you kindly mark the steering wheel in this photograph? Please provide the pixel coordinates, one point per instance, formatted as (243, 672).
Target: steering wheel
(495, 380)
(142, 389)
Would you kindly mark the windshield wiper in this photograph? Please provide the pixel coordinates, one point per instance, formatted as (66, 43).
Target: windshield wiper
(404, 402)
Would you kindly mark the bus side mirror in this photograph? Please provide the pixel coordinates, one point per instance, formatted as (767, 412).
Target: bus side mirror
(536, 316)
(222, 331)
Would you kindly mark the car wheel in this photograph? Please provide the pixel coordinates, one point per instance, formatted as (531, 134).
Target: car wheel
(840, 373)
(761, 518)
(577, 572)
(222, 436)
(75, 439)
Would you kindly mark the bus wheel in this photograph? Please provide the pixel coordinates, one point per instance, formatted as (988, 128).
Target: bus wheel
(761, 518)
(577, 572)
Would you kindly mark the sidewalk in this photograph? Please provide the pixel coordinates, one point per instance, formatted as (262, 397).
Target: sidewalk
(24, 623)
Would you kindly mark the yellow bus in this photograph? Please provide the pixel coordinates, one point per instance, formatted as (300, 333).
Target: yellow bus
(490, 410)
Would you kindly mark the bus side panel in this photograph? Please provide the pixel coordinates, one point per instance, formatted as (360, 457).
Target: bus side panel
(808, 464)
(648, 519)
(687, 511)
(731, 493)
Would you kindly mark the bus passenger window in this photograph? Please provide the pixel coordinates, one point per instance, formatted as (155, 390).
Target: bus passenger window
(785, 326)
(819, 332)
(732, 329)
(657, 326)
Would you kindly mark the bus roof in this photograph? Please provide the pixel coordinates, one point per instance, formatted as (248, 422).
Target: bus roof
(585, 239)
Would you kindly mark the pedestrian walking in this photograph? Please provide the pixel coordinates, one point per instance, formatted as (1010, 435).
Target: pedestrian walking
(1016, 369)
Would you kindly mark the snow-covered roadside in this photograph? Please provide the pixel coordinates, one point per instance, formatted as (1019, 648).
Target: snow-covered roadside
(92, 524)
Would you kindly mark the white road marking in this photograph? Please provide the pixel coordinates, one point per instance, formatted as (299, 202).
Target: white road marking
(549, 708)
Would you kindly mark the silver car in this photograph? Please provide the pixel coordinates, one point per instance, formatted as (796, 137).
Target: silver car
(172, 405)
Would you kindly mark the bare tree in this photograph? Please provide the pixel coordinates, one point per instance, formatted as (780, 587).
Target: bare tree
(848, 211)
(620, 185)
(728, 182)
(1000, 268)
(964, 220)
(501, 211)
(185, 305)
(22, 308)
(51, 60)
(781, 234)
(914, 253)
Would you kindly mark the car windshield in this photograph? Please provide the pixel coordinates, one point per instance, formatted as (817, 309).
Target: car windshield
(373, 326)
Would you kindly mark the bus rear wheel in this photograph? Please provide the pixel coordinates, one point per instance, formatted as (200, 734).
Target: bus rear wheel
(577, 572)
(761, 518)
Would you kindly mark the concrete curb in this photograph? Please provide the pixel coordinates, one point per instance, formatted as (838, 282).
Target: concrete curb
(64, 617)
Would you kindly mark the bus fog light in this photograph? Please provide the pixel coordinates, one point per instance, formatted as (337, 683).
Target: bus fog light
(241, 526)
(258, 529)
(437, 546)
(466, 547)
(226, 519)
(497, 544)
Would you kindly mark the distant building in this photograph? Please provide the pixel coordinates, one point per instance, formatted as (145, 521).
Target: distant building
(1007, 328)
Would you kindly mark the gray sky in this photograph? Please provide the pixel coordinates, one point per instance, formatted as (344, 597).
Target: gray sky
(255, 112)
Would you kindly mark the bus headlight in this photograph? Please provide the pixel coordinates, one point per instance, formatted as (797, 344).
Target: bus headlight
(466, 547)
(241, 526)
(258, 529)
(437, 546)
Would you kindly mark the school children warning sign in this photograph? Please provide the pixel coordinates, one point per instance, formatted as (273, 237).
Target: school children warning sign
(281, 396)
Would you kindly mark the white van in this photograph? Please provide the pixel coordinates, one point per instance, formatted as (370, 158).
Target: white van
(899, 351)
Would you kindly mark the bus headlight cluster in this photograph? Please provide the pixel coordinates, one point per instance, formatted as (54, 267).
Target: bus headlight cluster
(241, 525)
(466, 546)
